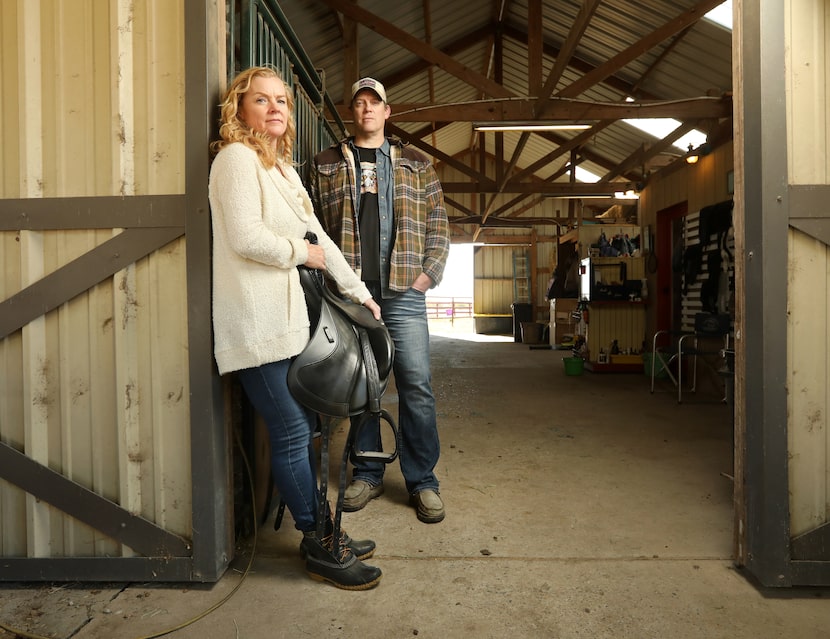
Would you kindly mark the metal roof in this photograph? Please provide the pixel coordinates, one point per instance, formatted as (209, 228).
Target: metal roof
(440, 54)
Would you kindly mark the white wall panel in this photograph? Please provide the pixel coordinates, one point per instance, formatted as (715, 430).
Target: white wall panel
(808, 363)
(92, 104)
(808, 339)
(808, 92)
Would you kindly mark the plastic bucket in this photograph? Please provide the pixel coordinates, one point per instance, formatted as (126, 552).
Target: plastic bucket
(531, 332)
(573, 365)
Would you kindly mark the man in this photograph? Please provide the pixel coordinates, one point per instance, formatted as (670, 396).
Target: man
(382, 203)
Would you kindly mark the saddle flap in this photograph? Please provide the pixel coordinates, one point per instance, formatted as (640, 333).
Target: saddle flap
(326, 373)
(344, 369)
(382, 345)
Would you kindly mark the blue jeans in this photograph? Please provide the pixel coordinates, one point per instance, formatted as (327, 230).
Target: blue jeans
(418, 447)
(290, 428)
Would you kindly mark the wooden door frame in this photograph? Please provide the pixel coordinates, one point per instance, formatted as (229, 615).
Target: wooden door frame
(766, 206)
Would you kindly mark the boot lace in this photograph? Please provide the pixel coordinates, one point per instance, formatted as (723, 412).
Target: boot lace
(342, 551)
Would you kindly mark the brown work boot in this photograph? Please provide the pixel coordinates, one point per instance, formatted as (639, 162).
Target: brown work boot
(359, 493)
(428, 506)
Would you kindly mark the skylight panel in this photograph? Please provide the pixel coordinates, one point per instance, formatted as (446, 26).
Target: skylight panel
(584, 175)
(722, 15)
(661, 127)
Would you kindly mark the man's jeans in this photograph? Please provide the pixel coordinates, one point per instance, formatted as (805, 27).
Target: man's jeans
(418, 447)
(290, 426)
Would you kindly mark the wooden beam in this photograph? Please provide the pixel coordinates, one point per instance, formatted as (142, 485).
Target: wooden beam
(494, 222)
(663, 55)
(431, 150)
(561, 150)
(639, 48)
(105, 212)
(583, 19)
(456, 46)
(550, 189)
(535, 42)
(577, 64)
(639, 157)
(519, 109)
(418, 47)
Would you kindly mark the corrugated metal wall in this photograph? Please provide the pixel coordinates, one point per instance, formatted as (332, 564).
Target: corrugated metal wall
(808, 328)
(700, 185)
(494, 290)
(92, 104)
(493, 286)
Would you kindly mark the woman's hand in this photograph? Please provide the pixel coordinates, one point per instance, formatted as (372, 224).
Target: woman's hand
(372, 305)
(316, 256)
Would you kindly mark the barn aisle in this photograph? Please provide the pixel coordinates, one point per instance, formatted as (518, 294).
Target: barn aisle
(577, 507)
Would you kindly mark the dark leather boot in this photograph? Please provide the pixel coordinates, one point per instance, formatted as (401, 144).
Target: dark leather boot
(335, 563)
(361, 548)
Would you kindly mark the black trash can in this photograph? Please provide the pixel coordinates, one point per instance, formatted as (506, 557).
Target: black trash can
(522, 312)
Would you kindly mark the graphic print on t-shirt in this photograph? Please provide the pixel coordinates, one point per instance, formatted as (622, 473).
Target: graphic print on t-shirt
(368, 177)
(368, 216)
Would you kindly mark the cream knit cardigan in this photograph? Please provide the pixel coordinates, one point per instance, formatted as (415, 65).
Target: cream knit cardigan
(259, 221)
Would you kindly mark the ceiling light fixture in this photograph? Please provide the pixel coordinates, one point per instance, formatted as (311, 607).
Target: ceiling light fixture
(530, 126)
(580, 196)
(692, 157)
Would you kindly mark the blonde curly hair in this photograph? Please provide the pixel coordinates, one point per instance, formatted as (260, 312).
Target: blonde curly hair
(233, 129)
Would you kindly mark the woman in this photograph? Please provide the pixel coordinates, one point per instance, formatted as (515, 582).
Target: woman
(261, 214)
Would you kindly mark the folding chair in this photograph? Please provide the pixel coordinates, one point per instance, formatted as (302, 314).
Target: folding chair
(710, 329)
(663, 356)
(698, 346)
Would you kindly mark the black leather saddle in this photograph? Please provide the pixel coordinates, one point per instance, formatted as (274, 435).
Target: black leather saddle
(345, 368)
(342, 372)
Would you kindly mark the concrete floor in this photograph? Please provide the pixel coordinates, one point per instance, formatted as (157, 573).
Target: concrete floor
(577, 507)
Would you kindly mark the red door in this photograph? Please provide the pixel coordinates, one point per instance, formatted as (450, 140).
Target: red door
(667, 243)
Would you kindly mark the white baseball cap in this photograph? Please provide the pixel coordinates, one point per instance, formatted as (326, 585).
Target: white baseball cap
(369, 83)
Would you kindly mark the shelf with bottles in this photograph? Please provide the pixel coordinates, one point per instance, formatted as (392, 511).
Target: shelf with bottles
(614, 334)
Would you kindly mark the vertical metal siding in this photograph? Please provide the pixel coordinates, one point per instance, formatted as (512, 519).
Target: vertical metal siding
(808, 365)
(493, 286)
(98, 388)
(808, 334)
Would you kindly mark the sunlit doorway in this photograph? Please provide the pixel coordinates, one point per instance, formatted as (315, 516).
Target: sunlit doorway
(450, 304)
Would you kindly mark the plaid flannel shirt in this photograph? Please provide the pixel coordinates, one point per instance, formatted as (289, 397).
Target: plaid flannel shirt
(422, 239)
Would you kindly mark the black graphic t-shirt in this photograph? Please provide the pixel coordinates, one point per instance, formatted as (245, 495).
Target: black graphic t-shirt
(368, 217)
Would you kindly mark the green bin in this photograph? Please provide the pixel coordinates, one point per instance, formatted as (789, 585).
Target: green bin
(574, 365)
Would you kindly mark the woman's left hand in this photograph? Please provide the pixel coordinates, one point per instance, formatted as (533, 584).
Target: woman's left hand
(316, 256)
(372, 305)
